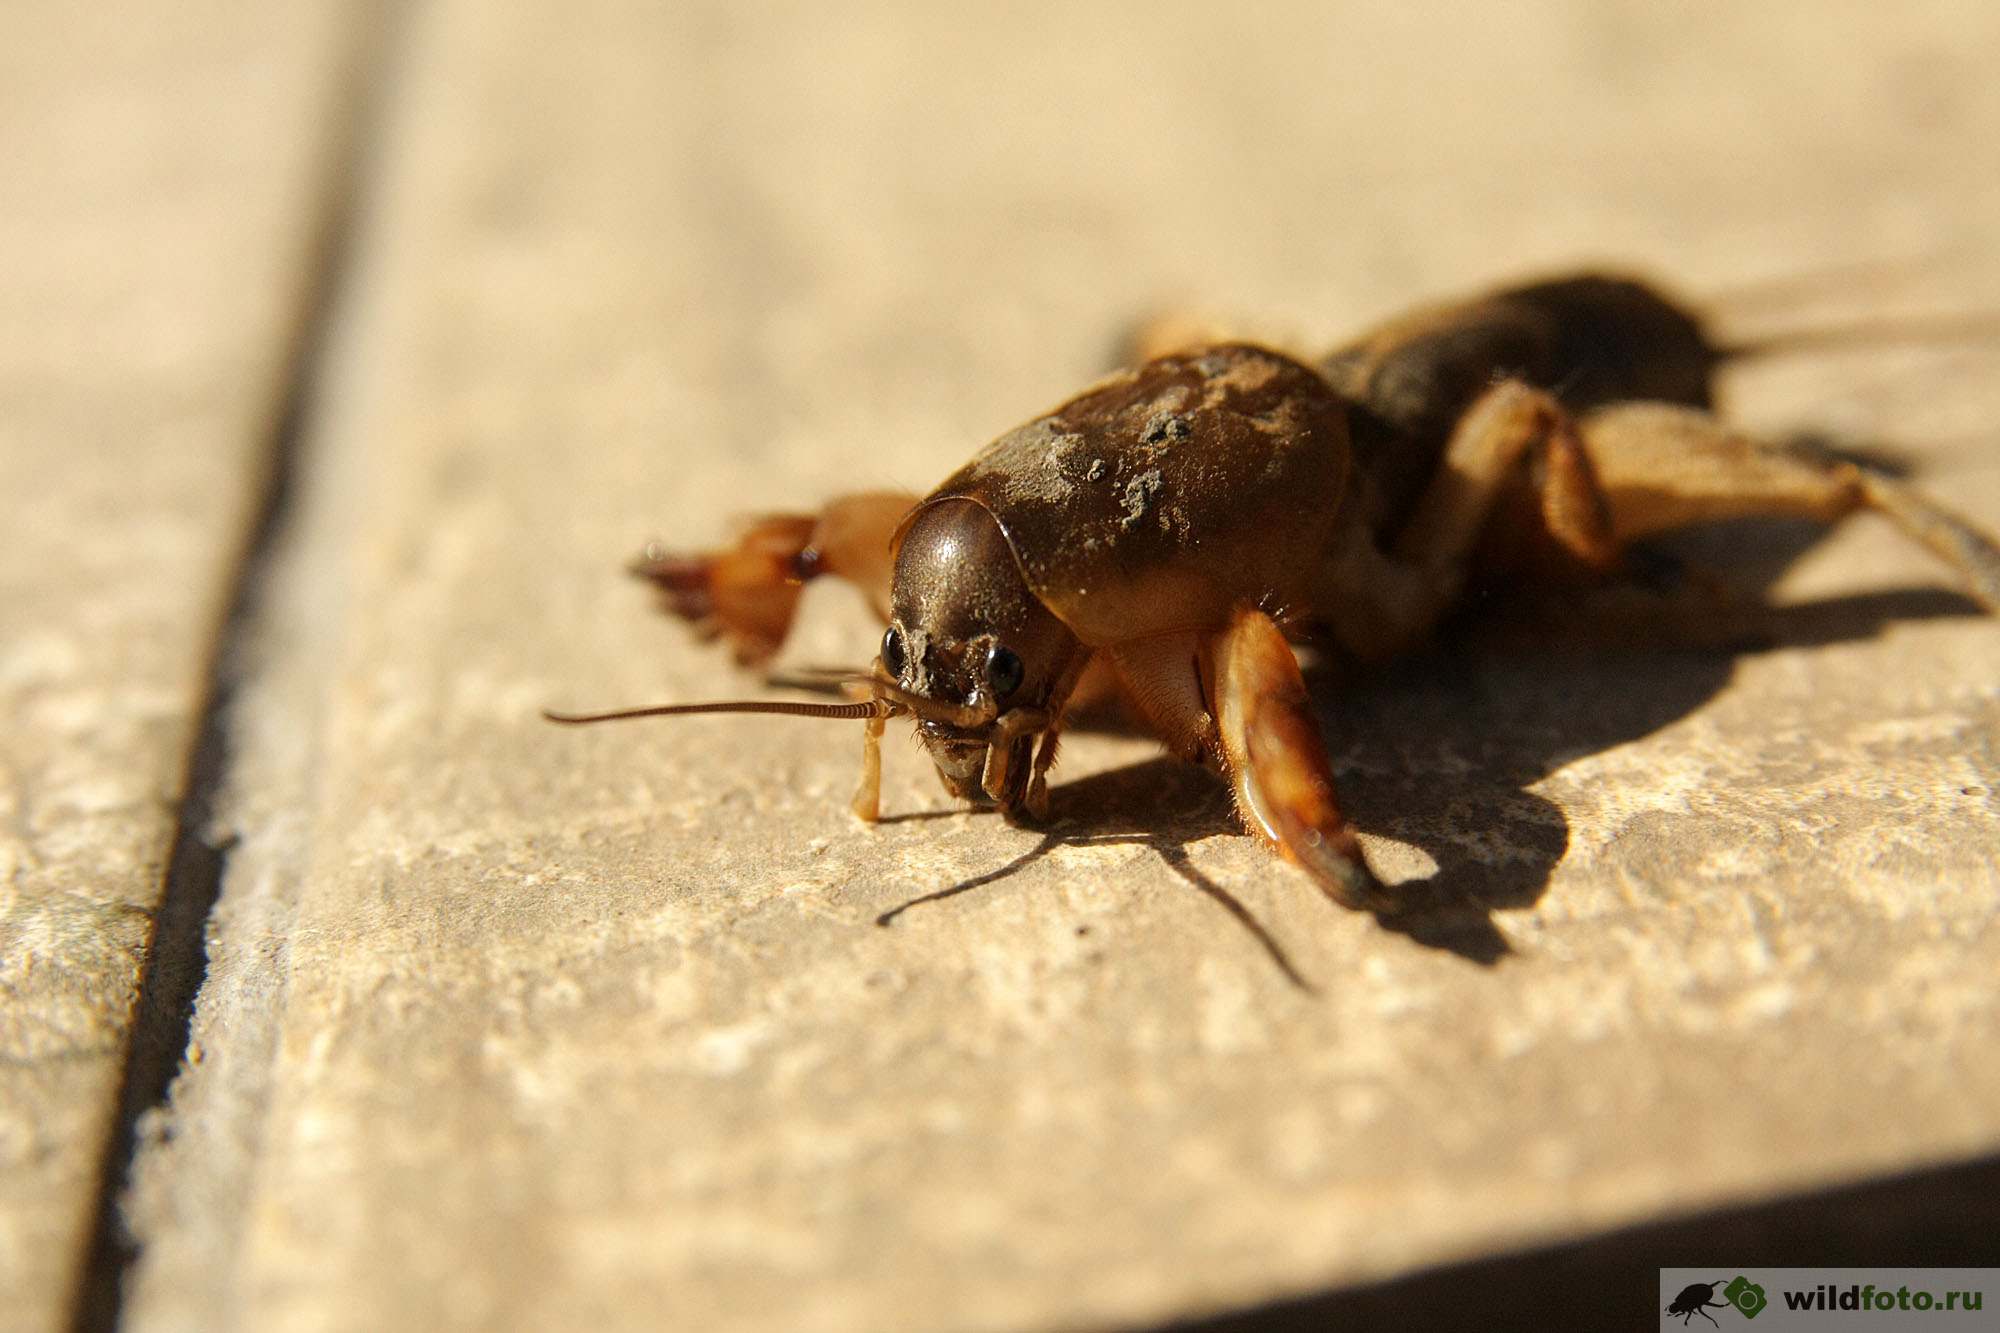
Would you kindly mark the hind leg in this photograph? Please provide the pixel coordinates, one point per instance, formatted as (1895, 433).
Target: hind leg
(1513, 428)
(1597, 483)
(1664, 467)
(1380, 602)
(747, 593)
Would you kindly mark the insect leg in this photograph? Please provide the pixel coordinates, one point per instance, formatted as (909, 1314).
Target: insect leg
(748, 592)
(1037, 801)
(1665, 467)
(1511, 425)
(1270, 747)
(1379, 603)
(867, 804)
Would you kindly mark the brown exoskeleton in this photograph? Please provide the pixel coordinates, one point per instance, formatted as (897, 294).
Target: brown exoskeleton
(1167, 533)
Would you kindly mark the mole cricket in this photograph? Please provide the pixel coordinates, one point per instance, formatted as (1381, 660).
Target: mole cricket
(1166, 535)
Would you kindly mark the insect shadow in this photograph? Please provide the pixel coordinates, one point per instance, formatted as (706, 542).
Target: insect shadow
(1443, 750)
(1158, 803)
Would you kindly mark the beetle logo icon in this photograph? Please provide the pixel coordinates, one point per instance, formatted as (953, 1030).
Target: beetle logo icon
(1694, 1300)
(1746, 1296)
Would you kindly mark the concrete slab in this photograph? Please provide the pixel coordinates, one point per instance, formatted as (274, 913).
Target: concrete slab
(163, 170)
(513, 1027)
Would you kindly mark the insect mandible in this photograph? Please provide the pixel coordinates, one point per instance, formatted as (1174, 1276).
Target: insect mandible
(1167, 534)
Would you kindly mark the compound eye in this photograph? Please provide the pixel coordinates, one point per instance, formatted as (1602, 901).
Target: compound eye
(893, 658)
(1003, 671)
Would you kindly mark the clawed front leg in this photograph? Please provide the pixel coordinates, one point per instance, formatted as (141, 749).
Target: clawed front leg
(1270, 748)
(1233, 699)
(747, 593)
(1037, 801)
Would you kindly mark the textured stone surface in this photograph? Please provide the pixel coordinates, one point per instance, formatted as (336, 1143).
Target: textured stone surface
(161, 172)
(516, 1027)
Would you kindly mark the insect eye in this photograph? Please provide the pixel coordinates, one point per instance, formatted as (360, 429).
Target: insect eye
(892, 652)
(1003, 671)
